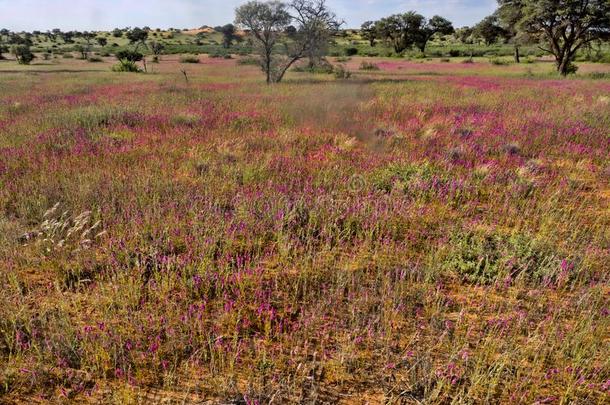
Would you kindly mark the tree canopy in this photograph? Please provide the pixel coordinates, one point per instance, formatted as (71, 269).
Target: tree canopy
(313, 23)
(562, 26)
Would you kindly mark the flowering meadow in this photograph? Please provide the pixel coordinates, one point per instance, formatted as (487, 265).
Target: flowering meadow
(421, 233)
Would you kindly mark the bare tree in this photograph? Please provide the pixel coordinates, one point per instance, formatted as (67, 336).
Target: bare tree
(266, 21)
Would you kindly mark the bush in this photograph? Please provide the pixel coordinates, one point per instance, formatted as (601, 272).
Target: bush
(454, 53)
(481, 257)
(23, 54)
(129, 56)
(319, 67)
(351, 51)
(498, 62)
(368, 66)
(95, 59)
(341, 72)
(126, 66)
(189, 59)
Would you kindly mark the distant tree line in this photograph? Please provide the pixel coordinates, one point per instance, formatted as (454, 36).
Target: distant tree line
(285, 32)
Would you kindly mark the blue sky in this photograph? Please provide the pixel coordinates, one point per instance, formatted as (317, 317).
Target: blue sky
(105, 14)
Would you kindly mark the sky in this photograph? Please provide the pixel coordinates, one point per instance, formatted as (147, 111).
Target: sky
(98, 15)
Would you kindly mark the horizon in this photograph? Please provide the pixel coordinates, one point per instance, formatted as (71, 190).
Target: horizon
(99, 15)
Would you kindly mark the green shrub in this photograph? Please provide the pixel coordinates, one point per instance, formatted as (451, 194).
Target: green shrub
(23, 54)
(95, 59)
(126, 66)
(351, 51)
(498, 62)
(486, 257)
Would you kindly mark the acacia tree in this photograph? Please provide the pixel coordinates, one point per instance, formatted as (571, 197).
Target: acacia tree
(510, 13)
(22, 54)
(401, 30)
(489, 29)
(368, 31)
(565, 25)
(410, 29)
(266, 21)
(228, 35)
(137, 37)
(436, 25)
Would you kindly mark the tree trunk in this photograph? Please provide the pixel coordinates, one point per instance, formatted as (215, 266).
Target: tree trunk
(267, 67)
(517, 55)
(285, 69)
(564, 62)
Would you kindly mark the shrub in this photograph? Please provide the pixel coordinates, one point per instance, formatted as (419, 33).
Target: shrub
(126, 66)
(368, 66)
(341, 72)
(320, 67)
(498, 62)
(189, 59)
(129, 56)
(484, 257)
(23, 54)
(454, 53)
(351, 51)
(95, 59)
